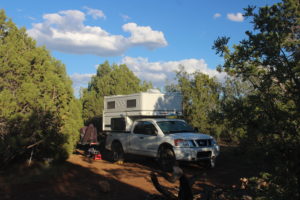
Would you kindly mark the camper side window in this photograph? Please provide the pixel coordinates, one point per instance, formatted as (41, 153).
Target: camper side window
(131, 103)
(111, 105)
(117, 124)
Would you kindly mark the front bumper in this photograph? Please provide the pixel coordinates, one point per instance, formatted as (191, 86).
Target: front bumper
(196, 153)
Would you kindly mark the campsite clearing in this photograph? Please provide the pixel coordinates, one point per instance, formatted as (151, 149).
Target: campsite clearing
(84, 178)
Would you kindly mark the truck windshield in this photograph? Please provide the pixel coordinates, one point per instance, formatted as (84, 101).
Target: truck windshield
(169, 127)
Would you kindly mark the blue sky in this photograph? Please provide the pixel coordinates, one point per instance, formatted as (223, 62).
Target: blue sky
(153, 37)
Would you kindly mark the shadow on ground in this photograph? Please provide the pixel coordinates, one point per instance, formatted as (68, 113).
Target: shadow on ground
(65, 181)
(83, 178)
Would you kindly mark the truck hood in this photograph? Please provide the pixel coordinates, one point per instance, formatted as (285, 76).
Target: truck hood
(190, 136)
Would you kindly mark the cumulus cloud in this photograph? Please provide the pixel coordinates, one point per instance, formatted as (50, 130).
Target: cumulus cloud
(80, 81)
(159, 72)
(156, 72)
(65, 31)
(217, 15)
(95, 13)
(145, 36)
(238, 17)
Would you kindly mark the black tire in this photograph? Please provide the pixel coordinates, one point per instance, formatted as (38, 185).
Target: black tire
(117, 152)
(167, 159)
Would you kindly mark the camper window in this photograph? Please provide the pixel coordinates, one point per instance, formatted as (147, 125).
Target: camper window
(117, 124)
(110, 105)
(131, 103)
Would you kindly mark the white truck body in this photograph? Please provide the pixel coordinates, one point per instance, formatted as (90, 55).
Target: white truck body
(145, 130)
(201, 146)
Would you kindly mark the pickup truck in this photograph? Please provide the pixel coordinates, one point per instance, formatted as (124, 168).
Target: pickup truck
(168, 140)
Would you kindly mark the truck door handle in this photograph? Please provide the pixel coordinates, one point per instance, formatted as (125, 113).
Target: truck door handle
(141, 137)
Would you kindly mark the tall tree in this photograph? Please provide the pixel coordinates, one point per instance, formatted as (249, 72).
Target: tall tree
(200, 99)
(233, 95)
(270, 60)
(109, 80)
(37, 105)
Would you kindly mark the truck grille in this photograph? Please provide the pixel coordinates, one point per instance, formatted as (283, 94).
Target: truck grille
(203, 143)
(204, 154)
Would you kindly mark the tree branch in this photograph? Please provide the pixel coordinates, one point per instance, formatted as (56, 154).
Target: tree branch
(33, 145)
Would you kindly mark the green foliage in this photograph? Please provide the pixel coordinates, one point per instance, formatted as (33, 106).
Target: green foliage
(109, 80)
(36, 99)
(265, 187)
(200, 98)
(269, 59)
(234, 93)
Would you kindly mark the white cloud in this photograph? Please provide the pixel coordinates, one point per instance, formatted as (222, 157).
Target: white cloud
(156, 72)
(81, 78)
(217, 15)
(31, 18)
(153, 77)
(238, 17)
(65, 31)
(159, 72)
(95, 13)
(145, 36)
(125, 17)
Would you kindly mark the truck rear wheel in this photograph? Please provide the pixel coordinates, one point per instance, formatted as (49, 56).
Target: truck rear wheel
(167, 159)
(117, 152)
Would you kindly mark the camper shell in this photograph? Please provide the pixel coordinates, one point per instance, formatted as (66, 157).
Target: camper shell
(121, 110)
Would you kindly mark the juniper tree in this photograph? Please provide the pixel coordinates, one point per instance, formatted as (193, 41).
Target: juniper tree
(36, 98)
(269, 59)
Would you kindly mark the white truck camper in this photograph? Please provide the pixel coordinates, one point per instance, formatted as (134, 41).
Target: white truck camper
(141, 124)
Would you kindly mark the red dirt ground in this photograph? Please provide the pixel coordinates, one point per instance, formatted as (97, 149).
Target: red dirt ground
(83, 178)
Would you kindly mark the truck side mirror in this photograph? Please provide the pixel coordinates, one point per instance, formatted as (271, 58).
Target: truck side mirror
(196, 130)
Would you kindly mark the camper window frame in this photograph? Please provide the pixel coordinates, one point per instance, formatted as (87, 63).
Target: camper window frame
(111, 105)
(130, 104)
(118, 124)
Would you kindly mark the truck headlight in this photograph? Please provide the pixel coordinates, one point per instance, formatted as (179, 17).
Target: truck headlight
(215, 144)
(183, 143)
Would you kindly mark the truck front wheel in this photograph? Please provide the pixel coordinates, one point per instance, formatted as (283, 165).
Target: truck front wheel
(167, 159)
(117, 152)
(210, 163)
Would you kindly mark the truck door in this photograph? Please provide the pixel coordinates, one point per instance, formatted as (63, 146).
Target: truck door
(144, 139)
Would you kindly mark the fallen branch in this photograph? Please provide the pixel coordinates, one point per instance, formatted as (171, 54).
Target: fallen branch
(33, 145)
